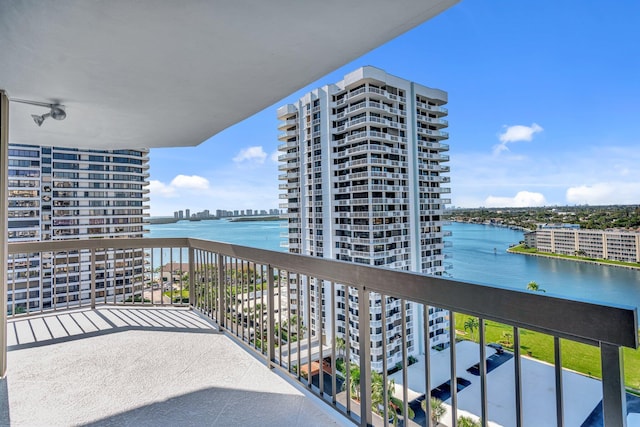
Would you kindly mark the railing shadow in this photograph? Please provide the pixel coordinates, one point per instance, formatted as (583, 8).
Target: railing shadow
(36, 331)
(224, 407)
(5, 419)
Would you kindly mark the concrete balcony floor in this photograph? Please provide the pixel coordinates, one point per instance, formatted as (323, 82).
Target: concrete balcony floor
(143, 367)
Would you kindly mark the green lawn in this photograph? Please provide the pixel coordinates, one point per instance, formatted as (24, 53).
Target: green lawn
(176, 294)
(575, 356)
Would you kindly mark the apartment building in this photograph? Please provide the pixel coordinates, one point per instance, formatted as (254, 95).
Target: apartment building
(569, 239)
(362, 181)
(65, 194)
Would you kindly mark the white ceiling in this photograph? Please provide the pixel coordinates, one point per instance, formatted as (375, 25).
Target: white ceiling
(154, 73)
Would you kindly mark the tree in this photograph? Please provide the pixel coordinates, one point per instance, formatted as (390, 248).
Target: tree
(533, 286)
(437, 409)
(471, 324)
(507, 336)
(468, 422)
(340, 346)
(354, 381)
(394, 405)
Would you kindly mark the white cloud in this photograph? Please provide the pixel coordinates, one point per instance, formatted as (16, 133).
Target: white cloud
(274, 156)
(190, 182)
(255, 154)
(520, 200)
(178, 186)
(157, 188)
(604, 193)
(514, 134)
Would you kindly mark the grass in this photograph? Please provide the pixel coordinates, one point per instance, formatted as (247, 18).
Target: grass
(575, 356)
(177, 294)
(520, 249)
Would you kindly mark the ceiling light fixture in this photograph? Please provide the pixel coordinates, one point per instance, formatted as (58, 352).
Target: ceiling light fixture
(57, 111)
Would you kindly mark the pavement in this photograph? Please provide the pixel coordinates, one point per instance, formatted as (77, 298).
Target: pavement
(581, 394)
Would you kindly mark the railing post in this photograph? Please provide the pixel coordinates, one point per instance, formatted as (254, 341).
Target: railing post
(93, 279)
(192, 278)
(4, 213)
(614, 400)
(364, 337)
(558, 371)
(271, 350)
(222, 315)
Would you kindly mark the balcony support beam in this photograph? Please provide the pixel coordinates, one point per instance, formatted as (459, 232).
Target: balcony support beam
(4, 213)
(192, 277)
(271, 352)
(93, 279)
(222, 312)
(614, 399)
(364, 340)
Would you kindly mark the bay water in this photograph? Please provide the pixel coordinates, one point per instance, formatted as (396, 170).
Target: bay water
(479, 254)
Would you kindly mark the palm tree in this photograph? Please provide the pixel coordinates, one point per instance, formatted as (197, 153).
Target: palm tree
(437, 409)
(340, 346)
(377, 398)
(471, 324)
(354, 381)
(468, 422)
(533, 286)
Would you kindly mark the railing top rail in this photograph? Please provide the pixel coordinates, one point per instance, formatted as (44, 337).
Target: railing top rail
(582, 321)
(71, 245)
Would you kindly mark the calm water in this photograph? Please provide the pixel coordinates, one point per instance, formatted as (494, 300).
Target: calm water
(479, 255)
(257, 234)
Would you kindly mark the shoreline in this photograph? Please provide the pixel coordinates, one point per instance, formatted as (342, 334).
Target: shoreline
(493, 224)
(544, 255)
(586, 261)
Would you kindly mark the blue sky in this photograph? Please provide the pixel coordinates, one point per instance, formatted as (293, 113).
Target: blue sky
(544, 109)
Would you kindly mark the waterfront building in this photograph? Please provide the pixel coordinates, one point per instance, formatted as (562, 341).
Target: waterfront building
(187, 213)
(362, 177)
(570, 239)
(66, 194)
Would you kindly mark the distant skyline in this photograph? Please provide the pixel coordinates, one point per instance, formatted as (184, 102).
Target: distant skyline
(543, 110)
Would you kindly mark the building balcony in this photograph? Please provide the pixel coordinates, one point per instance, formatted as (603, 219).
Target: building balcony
(183, 353)
(288, 145)
(288, 156)
(288, 166)
(288, 134)
(287, 111)
(287, 124)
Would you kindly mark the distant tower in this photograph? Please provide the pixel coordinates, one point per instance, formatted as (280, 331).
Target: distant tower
(363, 174)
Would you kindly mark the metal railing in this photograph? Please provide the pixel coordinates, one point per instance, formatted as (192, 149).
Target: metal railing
(304, 316)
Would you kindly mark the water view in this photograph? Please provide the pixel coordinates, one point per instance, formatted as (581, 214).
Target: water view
(479, 255)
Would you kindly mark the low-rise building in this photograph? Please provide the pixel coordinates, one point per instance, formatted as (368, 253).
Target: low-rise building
(570, 239)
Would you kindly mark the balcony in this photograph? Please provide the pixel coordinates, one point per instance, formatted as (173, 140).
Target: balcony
(60, 356)
(119, 365)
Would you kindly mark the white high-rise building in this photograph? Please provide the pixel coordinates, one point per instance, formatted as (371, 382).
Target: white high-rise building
(66, 193)
(362, 164)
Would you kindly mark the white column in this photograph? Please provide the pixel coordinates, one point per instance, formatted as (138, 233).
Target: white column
(4, 213)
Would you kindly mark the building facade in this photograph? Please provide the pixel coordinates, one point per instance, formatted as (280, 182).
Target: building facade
(64, 194)
(363, 180)
(569, 239)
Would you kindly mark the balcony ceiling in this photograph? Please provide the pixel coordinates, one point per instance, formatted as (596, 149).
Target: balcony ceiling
(153, 73)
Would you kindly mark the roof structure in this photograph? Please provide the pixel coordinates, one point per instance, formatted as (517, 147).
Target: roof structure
(166, 74)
